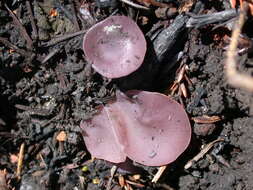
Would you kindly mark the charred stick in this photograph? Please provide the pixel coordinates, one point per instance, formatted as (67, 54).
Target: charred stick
(167, 38)
(31, 16)
(63, 38)
(220, 17)
(163, 54)
(155, 30)
(21, 28)
(75, 16)
(34, 111)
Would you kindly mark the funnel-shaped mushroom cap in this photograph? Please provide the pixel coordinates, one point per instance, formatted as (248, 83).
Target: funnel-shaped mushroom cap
(149, 128)
(115, 47)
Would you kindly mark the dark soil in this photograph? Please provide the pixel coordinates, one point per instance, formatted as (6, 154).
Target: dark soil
(47, 88)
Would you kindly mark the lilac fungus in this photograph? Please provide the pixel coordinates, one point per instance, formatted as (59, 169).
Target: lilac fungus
(115, 46)
(147, 127)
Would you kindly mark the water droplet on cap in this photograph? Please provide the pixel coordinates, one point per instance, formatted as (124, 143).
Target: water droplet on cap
(99, 140)
(152, 154)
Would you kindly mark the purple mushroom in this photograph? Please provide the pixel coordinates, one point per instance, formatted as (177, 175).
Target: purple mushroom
(148, 127)
(115, 46)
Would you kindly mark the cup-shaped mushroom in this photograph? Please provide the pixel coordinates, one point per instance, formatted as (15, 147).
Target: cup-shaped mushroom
(115, 46)
(149, 128)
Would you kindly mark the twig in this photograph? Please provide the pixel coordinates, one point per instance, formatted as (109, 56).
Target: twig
(233, 76)
(35, 31)
(158, 174)
(42, 160)
(21, 28)
(135, 184)
(135, 5)
(202, 153)
(12, 46)
(34, 111)
(63, 38)
(50, 55)
(20, 159)
(74, 16)
(113, 171)
(198, 21)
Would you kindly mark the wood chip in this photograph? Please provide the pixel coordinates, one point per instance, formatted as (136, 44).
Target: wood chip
(20, 159)
(158, 174)
(3, 184)
(206, 119)
(121, 181)
(13, 158)
(183, 89)
(136, 177)
(62, 136)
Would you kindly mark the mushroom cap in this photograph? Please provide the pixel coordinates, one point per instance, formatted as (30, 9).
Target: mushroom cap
(149, 128)
(115, 46)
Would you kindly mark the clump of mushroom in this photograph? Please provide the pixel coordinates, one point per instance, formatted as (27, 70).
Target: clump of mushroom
(147, 127)
(115, 46)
